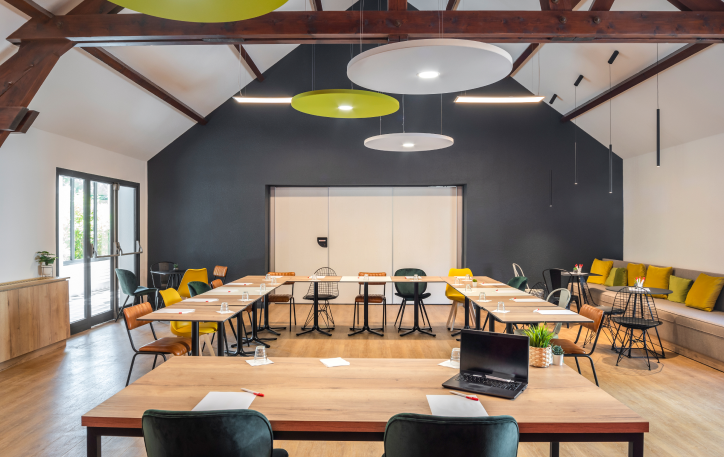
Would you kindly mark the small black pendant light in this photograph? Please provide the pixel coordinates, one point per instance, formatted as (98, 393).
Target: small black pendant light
(610, 141)
(575, 131)
(658, 112)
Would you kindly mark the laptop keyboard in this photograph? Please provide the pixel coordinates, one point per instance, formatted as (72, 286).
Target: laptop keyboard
(487, 382)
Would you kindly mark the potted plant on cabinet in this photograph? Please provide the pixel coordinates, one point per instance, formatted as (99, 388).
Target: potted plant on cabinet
(540, 345)
(45, 263)
(557, 355)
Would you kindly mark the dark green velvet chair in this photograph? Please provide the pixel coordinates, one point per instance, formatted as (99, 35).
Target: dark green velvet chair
(131, 288)
(407, 292)
(409, 434)
(520, 283)
(198, 287)
(213, 433)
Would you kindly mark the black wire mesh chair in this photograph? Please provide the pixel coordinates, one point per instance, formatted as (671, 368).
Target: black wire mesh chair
(326, 291)
(634, 310)
(164, 281)
(556, 279)
(539, 290)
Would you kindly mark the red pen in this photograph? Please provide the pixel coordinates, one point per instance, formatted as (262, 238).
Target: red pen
(261, 395)
(466, 396)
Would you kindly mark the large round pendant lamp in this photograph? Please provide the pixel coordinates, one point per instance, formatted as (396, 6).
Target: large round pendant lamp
(345, 103)
(431, 66)
(202, 10)
(409, 141)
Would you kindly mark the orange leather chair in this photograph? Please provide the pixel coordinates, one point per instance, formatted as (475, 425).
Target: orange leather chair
(220, 272)
(159, 347)
(371, 298)
(281, 298)
(571, 348)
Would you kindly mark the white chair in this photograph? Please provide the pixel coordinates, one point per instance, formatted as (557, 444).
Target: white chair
(517, 271)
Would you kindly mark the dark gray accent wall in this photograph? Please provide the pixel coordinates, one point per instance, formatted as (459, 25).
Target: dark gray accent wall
(208, 190)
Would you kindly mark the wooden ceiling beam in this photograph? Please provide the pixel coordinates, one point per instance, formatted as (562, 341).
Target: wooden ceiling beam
(396, 5)
(698, 5)
(252, 66)
(558, 5)
(452, 5)
(317, 5)
(96, 7)
(650, 71)
(601, 5)
(117, 65)
(30, 8)
(494, 26)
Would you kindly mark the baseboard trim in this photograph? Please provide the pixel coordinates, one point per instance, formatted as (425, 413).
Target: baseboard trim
(691, 354)
(32, 355)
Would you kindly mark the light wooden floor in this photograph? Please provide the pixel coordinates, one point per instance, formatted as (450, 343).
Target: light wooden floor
(43, 399)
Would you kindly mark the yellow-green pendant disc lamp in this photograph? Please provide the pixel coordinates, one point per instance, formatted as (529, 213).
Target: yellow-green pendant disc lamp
(345, 103)
(202, 10)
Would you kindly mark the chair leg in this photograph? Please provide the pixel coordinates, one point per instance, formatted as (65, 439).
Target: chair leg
(577, 365)
(210, 346)
(128, 380)
(424, 311)
(154, 362)
(122, 307)
(593, 368)
(450, 314)
(400, 313)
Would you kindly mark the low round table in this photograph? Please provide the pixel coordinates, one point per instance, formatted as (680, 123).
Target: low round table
(637, 294)
(583, 292)
(174, 274)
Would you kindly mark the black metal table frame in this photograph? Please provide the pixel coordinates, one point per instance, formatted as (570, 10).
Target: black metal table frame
(637, 298)
(366, 324)
(416, 323)
(177, 274)
(635, 440)
(315, 326)
(583, 291)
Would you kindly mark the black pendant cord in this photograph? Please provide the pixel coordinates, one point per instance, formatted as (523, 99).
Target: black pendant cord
(610, 137)
(658, 112)
(575, 139)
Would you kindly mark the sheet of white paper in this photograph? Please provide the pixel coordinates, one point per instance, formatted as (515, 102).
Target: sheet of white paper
(200, 300)
(502, 292)
(556, 312)
(535, 299)
(334, 362)
(449, 363)
(353, 279)
(225, 313)
(167, 310)
(455, 406)
(319, 277)
(221, 400)
(239, 284)
(261, 362)
(490, 284)
(501, 311)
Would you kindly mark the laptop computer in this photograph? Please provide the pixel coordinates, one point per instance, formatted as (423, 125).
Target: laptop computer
(492, 363)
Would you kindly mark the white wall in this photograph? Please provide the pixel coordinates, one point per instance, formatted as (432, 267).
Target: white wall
(674, 215)
(27, 193)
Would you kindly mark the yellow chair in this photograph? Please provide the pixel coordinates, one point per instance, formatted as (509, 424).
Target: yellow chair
(457, 298)
(183, 328)
(189, 276)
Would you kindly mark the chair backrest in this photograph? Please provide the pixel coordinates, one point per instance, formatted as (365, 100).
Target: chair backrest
(163, 265)
(408, 289)
(518, 282)
(554, 279)
(128, 281)
(284, 274)
(456, 273)
(517, 271)
(220, 271)
(327, 289)
(634, 310)
(594, 314)
(373, 274)
(170, 296)
(563, 299)
(132, 314)
(189, 276)
(216, 283)
(210, 433)
(198, 287)
(409, 434)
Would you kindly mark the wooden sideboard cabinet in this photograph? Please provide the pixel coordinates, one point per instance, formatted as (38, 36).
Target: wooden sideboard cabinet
(34, 317)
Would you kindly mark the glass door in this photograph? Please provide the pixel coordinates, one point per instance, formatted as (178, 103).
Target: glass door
(92, 230)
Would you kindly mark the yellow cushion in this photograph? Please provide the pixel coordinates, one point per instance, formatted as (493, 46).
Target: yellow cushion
(704, 293)
(658, 277)
(450, 292)
(635, 271)
(183, 328)
(602, 268)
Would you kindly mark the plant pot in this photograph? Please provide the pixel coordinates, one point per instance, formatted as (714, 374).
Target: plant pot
(45, 270)
(557, 360)
(540, 357)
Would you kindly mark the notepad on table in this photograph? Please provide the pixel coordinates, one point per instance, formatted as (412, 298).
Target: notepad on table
(482, 283)
(260, 362)
(555, 312)
(319, 277)
(239, 284)
(334, 362)
(455, 406)
(200, 300)
(449, 363)
(223, 400)
(532, 299)
(167, 310)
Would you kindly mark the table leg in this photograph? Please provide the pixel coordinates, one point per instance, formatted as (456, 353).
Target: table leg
(478, 311)
(636, 446)
(195, 338)
(555, 449)
(366, 324)
(508, 328)
(220, 337)
(416, 324)
(315, 327)
(491, 322)
(467, 317)
(93, 443)
(254, 337)
(266, 326)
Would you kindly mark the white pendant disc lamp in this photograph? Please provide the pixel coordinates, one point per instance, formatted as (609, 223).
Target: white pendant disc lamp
(430, 66)
(409, 141)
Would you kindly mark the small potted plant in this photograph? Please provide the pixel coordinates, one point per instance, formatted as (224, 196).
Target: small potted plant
(540, 345)
(475, 283)
(45, 263)
(557, 355)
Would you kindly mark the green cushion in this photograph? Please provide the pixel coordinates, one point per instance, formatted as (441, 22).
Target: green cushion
(518, 283)
(680, 287)
(212, 433)
(617, 277)
(409, 434)
(407, 289)
(198, 287)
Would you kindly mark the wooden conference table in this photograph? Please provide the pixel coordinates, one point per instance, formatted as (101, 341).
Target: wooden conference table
(354, 403)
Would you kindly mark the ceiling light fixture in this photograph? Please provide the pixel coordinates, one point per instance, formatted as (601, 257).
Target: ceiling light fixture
(202, 11)
(268, 100)
(345, 103)
(575, 130)
(610, 124)
(428, 75)
(466, 99)
(409, 141)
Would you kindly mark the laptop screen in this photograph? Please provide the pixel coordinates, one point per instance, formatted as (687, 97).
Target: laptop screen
(488, 352)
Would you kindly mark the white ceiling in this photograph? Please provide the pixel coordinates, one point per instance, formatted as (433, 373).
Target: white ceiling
(87, 101)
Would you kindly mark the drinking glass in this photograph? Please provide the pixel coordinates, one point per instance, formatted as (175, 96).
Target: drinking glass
(468, 277)
(245, 296)
(455, 357)
(367, 278)
(482, 296)
(468, 288)
(501, 307)
(267, 277)
(262, 288)
(314, 276)
(260, 354)
(224, 307)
